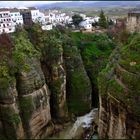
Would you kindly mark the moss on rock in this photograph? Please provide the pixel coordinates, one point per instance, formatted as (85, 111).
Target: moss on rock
(123, 82)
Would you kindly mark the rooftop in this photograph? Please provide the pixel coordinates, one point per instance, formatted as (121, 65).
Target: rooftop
(14, 10)
(32, 8)
(4, 9)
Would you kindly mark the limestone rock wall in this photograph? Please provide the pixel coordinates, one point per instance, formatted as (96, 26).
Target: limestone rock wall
(34, 100)
(55, 76)
(116, 121)
(79, 88)
(119, 94)
(10, 121)
(133, 23)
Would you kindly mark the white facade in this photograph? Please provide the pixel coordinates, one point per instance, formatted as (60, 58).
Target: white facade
(16, 18)
(83, 16)
(85, 24)
(47, 27)
(35, 15)
(58, 18)
(6, 24)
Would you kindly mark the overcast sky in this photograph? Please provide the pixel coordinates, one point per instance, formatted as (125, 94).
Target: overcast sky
(25, 3)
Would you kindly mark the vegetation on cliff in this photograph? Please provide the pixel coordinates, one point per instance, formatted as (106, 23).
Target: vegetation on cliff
(59, 47)
(95, 50)
(121, 78)
(78, 84)
(67, 62)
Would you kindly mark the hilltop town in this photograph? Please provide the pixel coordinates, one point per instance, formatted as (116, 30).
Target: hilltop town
(11, 17)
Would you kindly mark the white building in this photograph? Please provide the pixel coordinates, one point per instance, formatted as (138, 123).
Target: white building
(96, 19)
(83, 16)
(9, 18)
(85, 24)
(47, 27)
(16, 17)
(34, 13)
(57, 18)
(6, 24)
(92, 19)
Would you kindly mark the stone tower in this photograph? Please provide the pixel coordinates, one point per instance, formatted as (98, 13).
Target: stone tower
(133, 21)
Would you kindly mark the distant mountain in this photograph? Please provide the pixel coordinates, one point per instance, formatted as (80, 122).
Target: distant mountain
(89, 4)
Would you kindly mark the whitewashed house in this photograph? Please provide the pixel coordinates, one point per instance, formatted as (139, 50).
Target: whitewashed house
(57, 18)
(34, 13)
(16, 17)
(83, 16)
(47, 27)
(51, 17)
(85, 25)
(10, 18)
(96, 19)
(6, 24)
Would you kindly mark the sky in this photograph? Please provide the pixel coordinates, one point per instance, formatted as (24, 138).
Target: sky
(25, 3)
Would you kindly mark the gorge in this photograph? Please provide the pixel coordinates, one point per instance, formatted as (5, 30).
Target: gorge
(48, 79)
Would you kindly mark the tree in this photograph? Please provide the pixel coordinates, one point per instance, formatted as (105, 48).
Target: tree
(103, 21)
(94, 24)
(76, 19)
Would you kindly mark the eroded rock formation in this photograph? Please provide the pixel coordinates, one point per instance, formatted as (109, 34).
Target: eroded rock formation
(119, 94)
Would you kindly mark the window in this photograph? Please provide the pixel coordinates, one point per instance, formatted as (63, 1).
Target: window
(3, 19)
(7, 19)
(7, 24)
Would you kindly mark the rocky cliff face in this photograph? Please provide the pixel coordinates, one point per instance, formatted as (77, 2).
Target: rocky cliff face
(34, 101)
(33, 86)
(24, 96)
(55, 75)
(119, 94)
(78, 84)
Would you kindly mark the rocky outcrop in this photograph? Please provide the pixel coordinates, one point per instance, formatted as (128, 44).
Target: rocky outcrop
(116, 121)
(55, 75)
(119, 94)
(25, 105)
(78, 84)
(10, 120)
(24, 95)
(34, 100)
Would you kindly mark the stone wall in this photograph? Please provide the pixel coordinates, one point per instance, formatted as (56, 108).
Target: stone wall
(133, 23)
